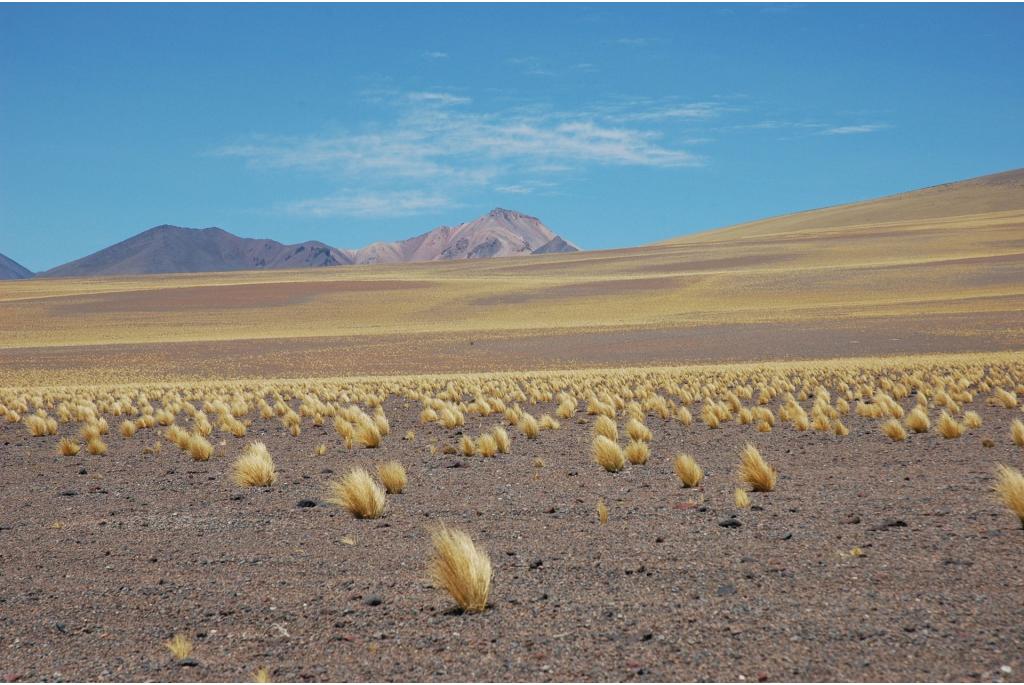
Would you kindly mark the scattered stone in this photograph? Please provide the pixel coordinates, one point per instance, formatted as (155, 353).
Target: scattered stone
(787, 536)
(456, 465)
(373, 601)
(306, 503)
(536, 563)
(188, 663)
(730, 523)
(890, 523)
(68, 493)
(726, 590)
(852, 519)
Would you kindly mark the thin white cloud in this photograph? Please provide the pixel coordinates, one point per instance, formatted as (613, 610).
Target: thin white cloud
(435, 55)
(850, 130)
(370, 204)
(439, 98)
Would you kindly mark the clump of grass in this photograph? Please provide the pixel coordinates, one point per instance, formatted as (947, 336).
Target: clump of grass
(688, 470)
(638, 431)
(487, 445)
(467, 446)
(548, 422)
(529, 426)
(128, 428)
(949, 427)
(255, 467)
(1017, 432)
(357, 492)
(606, 427)
(36, 425)
(755, 471)
(839, 429)
(96, 446)
(179, 646)
(461, 568)
(972, 419)
(261, 675)
(893, 429)
(199, 447)
(637, 452)
(68, 447)
(608, 454)
(684, 416)
(917, 420)
(538, 463)
(368, 433)
(602, 512)
(392, 476)
(1007, 400)
(1010, 488)
(410, 435)
(321, 449)
(741, 498)
(501, 439)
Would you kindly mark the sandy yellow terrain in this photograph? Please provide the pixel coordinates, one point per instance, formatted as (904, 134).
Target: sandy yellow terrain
(936, 270)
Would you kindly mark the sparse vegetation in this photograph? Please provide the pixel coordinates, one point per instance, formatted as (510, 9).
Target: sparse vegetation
(392, 476)
(755, 471)
(461, 568)
(608, 454)
(1010, 488)
(255, 467)
(357, 492)
(688, 471)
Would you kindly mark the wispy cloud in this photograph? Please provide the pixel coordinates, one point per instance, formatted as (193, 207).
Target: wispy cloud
(439, 98)
(851, 130)
(371, 204)
(435, 55)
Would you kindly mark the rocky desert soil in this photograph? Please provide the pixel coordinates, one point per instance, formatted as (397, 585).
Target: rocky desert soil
(104, 558)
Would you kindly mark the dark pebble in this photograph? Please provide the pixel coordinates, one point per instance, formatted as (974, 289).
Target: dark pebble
(726, 590)
(729, 523)
(373, 601)
(68, 493)
(536, 563)
(306, 503)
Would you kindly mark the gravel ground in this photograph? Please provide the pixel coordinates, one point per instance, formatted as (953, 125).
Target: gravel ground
(102, 559)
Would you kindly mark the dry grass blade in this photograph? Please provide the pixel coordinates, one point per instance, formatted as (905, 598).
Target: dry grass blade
(461, 568)
(1010, 488)
(688, 470)
(357, 492)
(392, 476)
(608, 454)
(255, 467)
(179, 646)
(755, 471)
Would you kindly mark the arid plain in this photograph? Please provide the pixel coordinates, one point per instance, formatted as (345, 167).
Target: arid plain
(769, 452)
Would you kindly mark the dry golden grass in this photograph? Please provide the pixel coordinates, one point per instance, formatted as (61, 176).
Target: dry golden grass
(467, 446)
(684, 416)
(36, 425)
(1004, 398)
(893, 429)
(606, 427)
(501, 439)
(637, 452)
(949, 427)
(461, 568)
(1010, 488)
(548, 422)
(179, 646)
(392, 475)
(357, 492)
(529, 426)
(602, 512)
(486, 445)
(128, 428)
(972, 419)
(261, 675)
(96, 446)
(689, 472)
(608, 454)
(917, 420)
(638, 431)
(320, 450)
(368, 434)
(1017, 432)
(741, 499)
(255, 466)
(755, 471)
(199, 447)
(68, 447)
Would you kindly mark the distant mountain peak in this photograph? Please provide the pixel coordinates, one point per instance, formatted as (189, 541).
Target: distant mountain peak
(176, 249)
(11, 270)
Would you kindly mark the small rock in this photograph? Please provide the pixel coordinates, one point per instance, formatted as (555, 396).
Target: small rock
(456, 465)
(188, 663)
(890, 523)
(68, 493)
(787, 536)
(726, 590)
(82, 472)
(373, 601)
(730, 523)
(536, 563)
(306, 503)
(852, 519)
(237, 497)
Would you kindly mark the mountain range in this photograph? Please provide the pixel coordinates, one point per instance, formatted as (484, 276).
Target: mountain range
(174, 249)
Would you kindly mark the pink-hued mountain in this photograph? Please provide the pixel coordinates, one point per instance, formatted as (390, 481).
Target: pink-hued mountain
(10, 270)
(172, 249)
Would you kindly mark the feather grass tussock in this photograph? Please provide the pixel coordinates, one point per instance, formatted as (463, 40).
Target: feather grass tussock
(755, 471)
(972, 419)
(255, 467)
(392, 476)
(606, 427)
(741, 499)
(638, 431)
(949, 427)
(1017, 432)
(486, 445)
(529, 426)
(608, 454)
(96, 446)
(179, 646)
(917, 420)
(637, 452)
(893, 429)
(199, 447)
(501, 439)
(1010, 489)
(357, 492)
(68, 447)
(602, 512)
(688, 471)
(461, 568)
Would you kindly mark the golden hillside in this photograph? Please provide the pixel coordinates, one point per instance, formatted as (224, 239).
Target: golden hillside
(936, 270)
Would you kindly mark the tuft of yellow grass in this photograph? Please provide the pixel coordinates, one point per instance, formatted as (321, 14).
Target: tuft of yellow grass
(461, 568)
(261, 675)
(741, 498)
(917, 420)
(684, 416)
(893, 429)
(357, 492)
(97, 446)
(1017, 432)
(36, 425)
(602, 512)
(68, 447)
(839, 429)
(606, 427)
(199, 447)
(392, 476)
(638, 431)
(972, 419)
(487, 445)
(410, 435)
(688, 470)
(255, 467)
(1007, 400)
(179, 646)
(467, 446)
(755, 471)
(608, 454)
(128, 428)
(368, 433)
(529, 426)
(501, 439)
(548, 422)
(1010, 488)
(321, 449)
(949, 427)
(637, 452)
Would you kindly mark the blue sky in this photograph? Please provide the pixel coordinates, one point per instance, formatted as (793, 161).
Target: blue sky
(616, 125)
